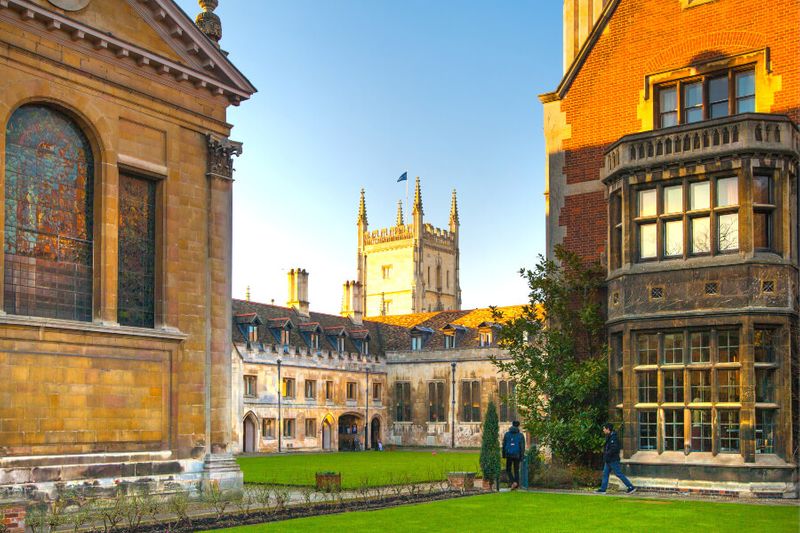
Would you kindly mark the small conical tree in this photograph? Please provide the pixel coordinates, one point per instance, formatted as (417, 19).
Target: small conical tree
(490, 445)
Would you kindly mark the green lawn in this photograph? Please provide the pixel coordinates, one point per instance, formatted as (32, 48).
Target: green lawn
(518, 511)
(377, 468)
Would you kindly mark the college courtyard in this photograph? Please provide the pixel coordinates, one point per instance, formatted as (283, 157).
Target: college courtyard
(145, 388)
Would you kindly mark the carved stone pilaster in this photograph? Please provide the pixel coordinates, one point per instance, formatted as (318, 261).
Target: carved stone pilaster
(220, 156)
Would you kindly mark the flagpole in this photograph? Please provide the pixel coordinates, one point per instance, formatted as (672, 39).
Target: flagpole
(407, 211)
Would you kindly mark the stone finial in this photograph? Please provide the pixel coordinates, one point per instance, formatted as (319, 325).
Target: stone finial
(417, 198)
(400, 219)
(247, 294)
(208, 21)
(362, 209)
(453, 211)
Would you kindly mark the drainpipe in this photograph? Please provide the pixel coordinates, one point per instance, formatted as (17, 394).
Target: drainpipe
(453, 406)
(280, 426)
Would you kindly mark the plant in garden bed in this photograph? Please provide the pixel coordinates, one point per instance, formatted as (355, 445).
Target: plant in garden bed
(490, 445)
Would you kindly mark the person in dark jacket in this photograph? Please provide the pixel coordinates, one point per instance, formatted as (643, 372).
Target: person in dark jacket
(611, 459)
(513, 451)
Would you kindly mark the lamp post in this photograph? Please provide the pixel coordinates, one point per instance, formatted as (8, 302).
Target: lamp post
(366, 408)
(280, 428)
(453, 406)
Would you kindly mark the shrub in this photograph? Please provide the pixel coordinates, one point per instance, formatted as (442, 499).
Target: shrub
(490, 444)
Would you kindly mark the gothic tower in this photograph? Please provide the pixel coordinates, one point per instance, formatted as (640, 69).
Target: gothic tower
(407, 268)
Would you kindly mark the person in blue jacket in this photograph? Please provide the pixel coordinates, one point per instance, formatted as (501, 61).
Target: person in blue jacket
(611, 460)
(513, 452)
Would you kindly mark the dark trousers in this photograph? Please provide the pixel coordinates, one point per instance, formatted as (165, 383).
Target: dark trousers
(512, 461)
(607, 468)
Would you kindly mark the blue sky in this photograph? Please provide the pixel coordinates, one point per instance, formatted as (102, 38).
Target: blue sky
(354, 92)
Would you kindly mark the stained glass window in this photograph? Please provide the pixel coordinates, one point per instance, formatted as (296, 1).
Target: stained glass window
(48, 216)
(137, 251)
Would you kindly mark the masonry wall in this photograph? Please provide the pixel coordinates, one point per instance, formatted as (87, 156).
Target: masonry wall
(300, 366)
(397, 288)
(421, 368)
(94, 387)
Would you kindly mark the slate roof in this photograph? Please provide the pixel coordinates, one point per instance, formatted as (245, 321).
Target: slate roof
(386, 333)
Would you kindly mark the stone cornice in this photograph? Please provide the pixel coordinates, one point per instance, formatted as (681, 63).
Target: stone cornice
(208, 57)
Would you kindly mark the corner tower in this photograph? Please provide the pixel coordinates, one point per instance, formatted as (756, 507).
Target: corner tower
(408, 268)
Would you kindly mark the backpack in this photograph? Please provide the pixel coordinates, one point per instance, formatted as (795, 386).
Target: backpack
(512, 446)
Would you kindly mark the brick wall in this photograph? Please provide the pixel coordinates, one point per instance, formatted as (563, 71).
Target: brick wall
(605, 100)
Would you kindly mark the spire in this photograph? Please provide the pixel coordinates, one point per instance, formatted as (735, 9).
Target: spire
(453, 212)
(362, 209)
(208, 21)
(400, 219)
(247, 293)
(417, 199)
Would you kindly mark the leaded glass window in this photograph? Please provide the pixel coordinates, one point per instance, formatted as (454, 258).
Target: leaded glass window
(728, 431)
(49, 183)
(648, 430)
(701, 430)
(765, 431)
(673, 429)
(137, 252)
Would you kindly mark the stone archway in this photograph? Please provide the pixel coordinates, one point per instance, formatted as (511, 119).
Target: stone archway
(351, 432)
(249, 434)
(375, 433)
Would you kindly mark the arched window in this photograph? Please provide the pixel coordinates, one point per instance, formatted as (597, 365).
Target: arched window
(49, 185)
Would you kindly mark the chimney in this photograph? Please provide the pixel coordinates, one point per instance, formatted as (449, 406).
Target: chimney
(298, 290)
(351, 302)
(580, 17)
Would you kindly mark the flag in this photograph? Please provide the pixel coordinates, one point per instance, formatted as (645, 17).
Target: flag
(404, 177)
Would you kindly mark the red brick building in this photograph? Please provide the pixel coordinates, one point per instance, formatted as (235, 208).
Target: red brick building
(673, 145)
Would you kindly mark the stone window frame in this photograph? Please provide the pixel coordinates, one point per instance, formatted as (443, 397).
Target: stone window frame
(329, 391)
(310, 428)
(470, 414)
(377, 392)
(713, 370)
(686, 216)
(507, 401)
(289, 428)
(679, 83)
(288, 388)
(250, 385)
(351, 391)
(402, 396)
(436, 401)
(310, 385)
(268, 428)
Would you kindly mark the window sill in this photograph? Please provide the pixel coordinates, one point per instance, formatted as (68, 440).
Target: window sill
(163, 333)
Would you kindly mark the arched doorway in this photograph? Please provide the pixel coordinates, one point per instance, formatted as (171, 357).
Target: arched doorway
(327, 432)
(249, 434)
(375, 432)
(351, 432)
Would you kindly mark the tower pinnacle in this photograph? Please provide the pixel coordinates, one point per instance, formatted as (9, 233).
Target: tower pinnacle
(417, 199)
(362, 209)
(400, 219)
(453, 212)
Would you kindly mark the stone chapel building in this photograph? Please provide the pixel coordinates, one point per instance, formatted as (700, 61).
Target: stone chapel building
(407, 268)
(672, 157)
(115, 328)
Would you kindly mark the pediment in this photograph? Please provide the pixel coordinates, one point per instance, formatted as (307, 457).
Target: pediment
(155, 35)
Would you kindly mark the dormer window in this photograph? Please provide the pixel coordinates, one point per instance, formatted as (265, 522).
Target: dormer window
(252, 333)
(315, 341)
(365, 347)
(285, 337)
(340, 344)
(416, 343)
(486, 338)
(450, 341)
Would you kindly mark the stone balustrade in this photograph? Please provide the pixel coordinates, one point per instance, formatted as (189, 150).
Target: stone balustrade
(702, 140)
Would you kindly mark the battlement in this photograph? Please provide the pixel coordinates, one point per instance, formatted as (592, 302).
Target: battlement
(396, 233)
(438, 235)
